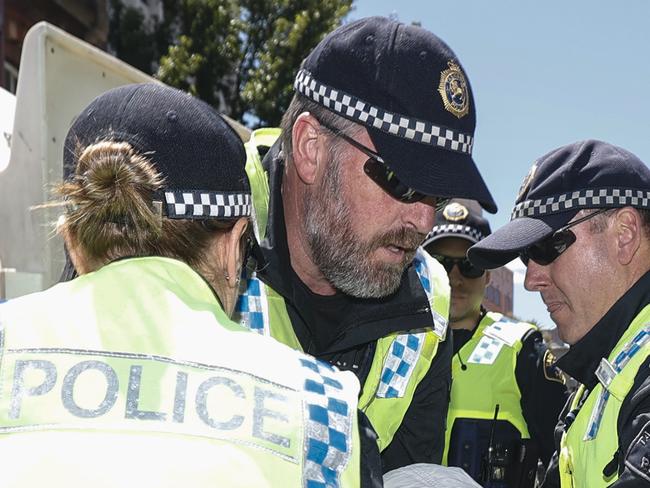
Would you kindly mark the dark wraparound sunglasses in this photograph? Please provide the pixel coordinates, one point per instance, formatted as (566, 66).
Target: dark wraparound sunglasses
(547, 250)
(379, 172)
(466, 268)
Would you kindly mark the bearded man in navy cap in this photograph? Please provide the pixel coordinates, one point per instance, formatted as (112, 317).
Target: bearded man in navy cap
(581, 224)
(379, 131)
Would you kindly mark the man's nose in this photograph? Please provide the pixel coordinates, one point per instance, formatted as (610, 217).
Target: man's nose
(536, 276)
(420, 216)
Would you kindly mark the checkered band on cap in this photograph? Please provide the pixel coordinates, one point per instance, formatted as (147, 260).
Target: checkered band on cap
(328, 425)
(598, 198)
(394, 124)
(194, 204)
(465, 230)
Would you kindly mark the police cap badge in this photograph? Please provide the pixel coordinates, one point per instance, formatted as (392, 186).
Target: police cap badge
(455, 212)
(526, 181)
(453, 90)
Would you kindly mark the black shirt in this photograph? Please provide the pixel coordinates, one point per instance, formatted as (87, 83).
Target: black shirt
(343, 330)
(631, 458)
(543, 393)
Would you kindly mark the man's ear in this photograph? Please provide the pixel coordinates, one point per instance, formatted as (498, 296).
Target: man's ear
(488, 275)
(305, 139)
(628, 230)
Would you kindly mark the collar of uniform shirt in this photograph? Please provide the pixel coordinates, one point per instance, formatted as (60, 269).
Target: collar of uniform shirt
(584, 356)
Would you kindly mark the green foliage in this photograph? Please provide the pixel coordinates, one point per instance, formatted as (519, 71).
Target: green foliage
(180, 66)
(239, 56)
(205, 54)
(280, 35)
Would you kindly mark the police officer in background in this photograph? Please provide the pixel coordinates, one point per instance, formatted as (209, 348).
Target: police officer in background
(133, 374)
(581, 223)
(506, 395)
(380, 128)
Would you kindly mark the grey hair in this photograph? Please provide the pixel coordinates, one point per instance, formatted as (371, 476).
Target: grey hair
(300, 104)
(600, 222)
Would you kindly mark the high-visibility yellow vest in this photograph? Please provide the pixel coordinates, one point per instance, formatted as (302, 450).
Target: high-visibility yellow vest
(490, 359)
(592, 439)
(401, 360)
(133, 376)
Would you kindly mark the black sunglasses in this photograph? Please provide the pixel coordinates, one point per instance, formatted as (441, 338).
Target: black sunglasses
(466, 268)
(379, 172)
(547, 250)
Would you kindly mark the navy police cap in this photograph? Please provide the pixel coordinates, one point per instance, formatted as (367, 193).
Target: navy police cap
(458, 220)
(201, 158)
(408, 89)
(582, 175)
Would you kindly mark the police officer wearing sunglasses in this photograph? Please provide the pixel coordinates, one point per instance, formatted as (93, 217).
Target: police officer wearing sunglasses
(582, 225)
(379, 130)
(501, 369)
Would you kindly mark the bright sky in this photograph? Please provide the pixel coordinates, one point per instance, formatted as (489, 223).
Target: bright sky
(544, 74)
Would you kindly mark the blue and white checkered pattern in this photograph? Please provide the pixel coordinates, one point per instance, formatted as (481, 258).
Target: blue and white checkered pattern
(507, 330)
(193, 204)
(486, 351)
(251, 309)
(439, 322)
(328, 426)
(406, 348)
(423, 273)
(607, 372)
(399, 365)
(597, 198)
(398, 125)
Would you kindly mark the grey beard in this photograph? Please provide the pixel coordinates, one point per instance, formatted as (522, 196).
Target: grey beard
(342, 258)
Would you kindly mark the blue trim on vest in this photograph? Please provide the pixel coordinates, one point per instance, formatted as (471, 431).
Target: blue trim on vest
(250, 307)
(405, 350)
(328, 426)
(402, 357)
(623, 357)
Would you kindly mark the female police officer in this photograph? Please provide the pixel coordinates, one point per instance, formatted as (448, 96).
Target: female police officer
(132, 373)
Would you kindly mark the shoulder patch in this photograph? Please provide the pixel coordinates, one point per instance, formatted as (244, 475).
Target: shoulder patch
(507, 331)
(486, 351)
(552, 372)
(637, 459)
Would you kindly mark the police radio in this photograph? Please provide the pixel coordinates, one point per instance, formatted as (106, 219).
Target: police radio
(509, 464)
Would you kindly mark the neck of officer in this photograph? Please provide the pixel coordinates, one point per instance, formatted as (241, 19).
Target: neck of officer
(299, 250)
(468, 321)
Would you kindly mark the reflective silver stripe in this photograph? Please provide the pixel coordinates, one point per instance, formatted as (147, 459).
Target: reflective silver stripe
(129, 355)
